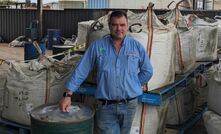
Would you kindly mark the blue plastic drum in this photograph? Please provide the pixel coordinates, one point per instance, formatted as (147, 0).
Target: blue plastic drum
(30, 52)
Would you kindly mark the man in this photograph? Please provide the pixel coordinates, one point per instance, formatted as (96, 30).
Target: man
(122, 67)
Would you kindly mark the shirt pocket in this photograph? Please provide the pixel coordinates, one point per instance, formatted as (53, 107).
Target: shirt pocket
(133, 63)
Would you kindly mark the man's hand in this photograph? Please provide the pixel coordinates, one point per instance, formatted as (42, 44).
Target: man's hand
(65, 104)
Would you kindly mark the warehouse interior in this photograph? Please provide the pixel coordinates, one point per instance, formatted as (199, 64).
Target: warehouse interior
(42, 43)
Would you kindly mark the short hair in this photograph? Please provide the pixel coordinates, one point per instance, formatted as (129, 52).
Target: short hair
(117, 13)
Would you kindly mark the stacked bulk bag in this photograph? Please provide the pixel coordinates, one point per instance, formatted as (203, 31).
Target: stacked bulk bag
(193, 97)
(206, 35)
(186, 41)
(32, 84)
(218, 18)
(162, 44)
(159, 40)
(181, 108)
(201, 90)
(155, 119)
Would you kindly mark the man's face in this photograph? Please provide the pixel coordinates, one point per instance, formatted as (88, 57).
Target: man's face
(118, 27)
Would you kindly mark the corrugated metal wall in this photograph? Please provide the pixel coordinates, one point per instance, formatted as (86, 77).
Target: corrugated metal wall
(97, 4)
(14, 21)
(67, 20)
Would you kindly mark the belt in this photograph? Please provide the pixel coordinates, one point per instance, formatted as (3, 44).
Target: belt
(108, 102)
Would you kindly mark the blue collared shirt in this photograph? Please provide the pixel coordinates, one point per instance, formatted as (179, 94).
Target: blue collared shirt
(119, 75)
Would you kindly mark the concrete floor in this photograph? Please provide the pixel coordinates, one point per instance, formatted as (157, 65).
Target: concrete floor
(11, 53)
(17, 53)
(14, 53)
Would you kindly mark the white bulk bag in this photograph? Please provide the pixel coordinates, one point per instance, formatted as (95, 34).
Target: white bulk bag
(26, 89)
(60, 74)
(212, 122)
(83, 28)
(218, 18)
(186, 54)
(181, 108)
(207, 37)
(163, 47)
(154, 119)
(188, 50)
(98, 29)
(214, 87)
(201, 91)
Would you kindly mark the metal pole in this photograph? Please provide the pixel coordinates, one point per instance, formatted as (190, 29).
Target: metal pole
(39, 18)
